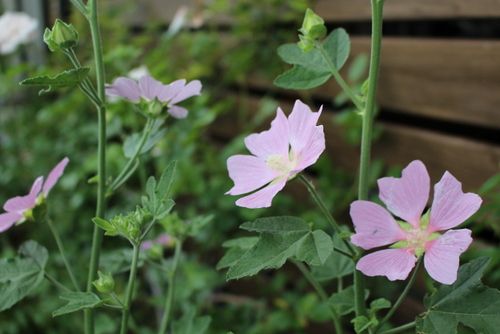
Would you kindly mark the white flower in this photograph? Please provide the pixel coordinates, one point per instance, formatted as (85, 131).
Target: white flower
(15, 29)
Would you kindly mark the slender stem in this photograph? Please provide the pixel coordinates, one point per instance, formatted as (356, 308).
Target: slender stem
(167, 310)
(321, 293)
(60, 246)
(366, 137)
(130, 289)
(116, 299)
(401, 297)
(56, 283)
(101, 155)
(86, 86)
(147, 229)
(335, 72)
(400, 329)
(80, 6)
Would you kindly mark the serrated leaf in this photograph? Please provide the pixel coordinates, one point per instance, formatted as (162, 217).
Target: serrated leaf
(166, 180)
(67, 78)
(312, 60)
(299, 77)
(283, 224)
(77, 301)
(237, 248)
(338, 46)
(336, 265)
(21, 275)
(315, 248)
(191, 324)
(466, 302)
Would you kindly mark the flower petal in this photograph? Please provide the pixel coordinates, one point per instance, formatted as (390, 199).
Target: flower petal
(178, 112)
(262, 198)
(312, 151)
(248, 173)
(54, 175)
(150, 88)
(191, 89)
(441, 257)
(406, 197)
(270, 142)
(8, 219)
(374, 226)
(171, 90)
(302, 123)
(20, 204)
(451, 207)
(395, 264)
(124, 87)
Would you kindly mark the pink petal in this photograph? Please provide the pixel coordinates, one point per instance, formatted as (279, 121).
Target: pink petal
(150, 88)
(451, 206)
(8, 219)
(395, 264)
(441, 257)
(248, 173)
(171, 90)
(312, 151)
(177, 112)
(191, 89)
(54, 175)
(262, 198)
(374, 226)
(302, 122)
(20, 204)
(270, 142)
(407, 196)
(147, 245)
(124, 87)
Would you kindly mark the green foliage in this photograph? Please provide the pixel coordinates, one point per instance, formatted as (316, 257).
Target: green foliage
(77, 301)
(21, 275)
(156, 200)
(190, 323)
(467, 302)
(131, 143)
(127, 225)
(68, 78)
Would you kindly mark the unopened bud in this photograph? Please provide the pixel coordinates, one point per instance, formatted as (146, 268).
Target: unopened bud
(62, 36)
(105, 283)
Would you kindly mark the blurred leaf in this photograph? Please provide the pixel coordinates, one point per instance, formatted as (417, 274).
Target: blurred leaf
(284, 224)
(131, 142)
(299, 77)
(191, 324)
(357, 68)
(379, 304)
(338, 46)
(312, 60)
(166, 180)
(77, 301)
(67, 78)
(343, 301)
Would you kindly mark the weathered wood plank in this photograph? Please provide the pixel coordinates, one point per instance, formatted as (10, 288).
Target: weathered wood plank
(472, 162)
(351, 10)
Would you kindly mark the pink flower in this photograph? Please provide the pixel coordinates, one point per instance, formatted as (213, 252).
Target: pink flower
(163, 240)
(149, 89)
(430, 234)
(279, 154)
(19, 208)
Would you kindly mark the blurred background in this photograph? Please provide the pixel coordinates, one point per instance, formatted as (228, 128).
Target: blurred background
(439, 101)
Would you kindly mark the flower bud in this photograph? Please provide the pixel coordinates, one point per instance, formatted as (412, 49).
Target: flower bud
(62, 36)
(105, 283)
(313, 28)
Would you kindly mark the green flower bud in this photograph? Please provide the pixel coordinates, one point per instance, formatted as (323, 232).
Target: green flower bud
(155, 252)
(313, 26)
(105, 283)
(62, 36)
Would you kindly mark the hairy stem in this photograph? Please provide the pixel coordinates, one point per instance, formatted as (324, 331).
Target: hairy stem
(167, 309)
(366, 137)
(130, 289)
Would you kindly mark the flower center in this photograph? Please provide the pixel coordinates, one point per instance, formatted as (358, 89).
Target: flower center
(284, 165)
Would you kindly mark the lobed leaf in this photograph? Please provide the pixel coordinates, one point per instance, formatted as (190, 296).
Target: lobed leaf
(77, 301)
(67, 78)
(299, 77)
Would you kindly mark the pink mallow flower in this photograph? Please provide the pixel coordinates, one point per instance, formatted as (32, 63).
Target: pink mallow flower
(19, 208)
(149, 89)
(428, 235)
(279, 154)
(163, 240)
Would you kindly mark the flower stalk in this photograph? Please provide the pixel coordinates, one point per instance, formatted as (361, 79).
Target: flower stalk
(130, 289)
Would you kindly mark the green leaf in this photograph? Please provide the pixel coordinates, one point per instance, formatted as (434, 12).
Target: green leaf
(106, 226)
(379, 304)
(131, 143)
(243, 242)
(283, 224)
(312, 60)
(362, 323)
(299, 77)
(315, 248)
(21, 275)
(237, 248)
(338, 46)
(190, 324)
(118, 260)
(336, 265)
(466, 302)
(166, 181)
(77, 301)
(343, 301)
(67, 78)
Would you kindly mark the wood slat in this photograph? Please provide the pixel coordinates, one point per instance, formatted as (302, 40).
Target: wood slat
(472, 162)
(352, 10)
(451, 80)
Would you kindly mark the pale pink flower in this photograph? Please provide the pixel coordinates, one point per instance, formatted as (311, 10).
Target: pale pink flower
(149, 89)
(278, 154)
(19, 208)
(428, 235)
(163, 240)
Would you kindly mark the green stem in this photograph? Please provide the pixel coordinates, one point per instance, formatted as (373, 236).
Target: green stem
(321, 294)
(401, 297)
(130, 289)
(60, 246)
(366, 137)
(86, 86)
(342, 83)
(400, 329)
(167, 310)
(56, 283)
(80, 6)
(101, 155)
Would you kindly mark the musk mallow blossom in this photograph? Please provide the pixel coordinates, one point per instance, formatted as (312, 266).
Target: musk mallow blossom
(16, 28)
(278, 154)
(417, 235)
(163, 240)
(19, 208)
(149, 89)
